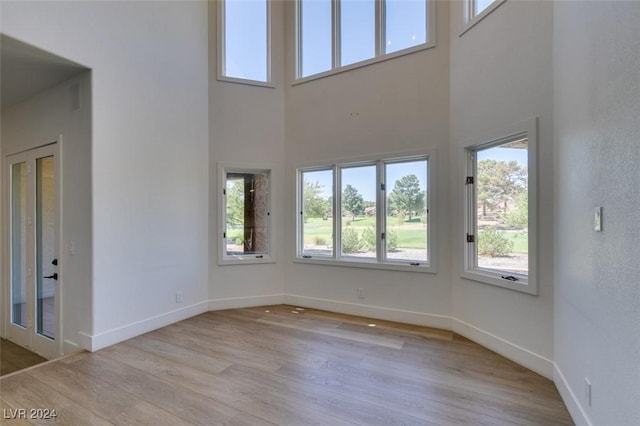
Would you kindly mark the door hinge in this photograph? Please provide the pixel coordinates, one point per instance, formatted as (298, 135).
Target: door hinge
(470, 180)
(471, 238)
(224, 191)
(383, 236)
(224, 235)
(383, 187)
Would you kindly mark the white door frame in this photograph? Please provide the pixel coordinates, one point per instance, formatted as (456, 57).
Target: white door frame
(28, 337)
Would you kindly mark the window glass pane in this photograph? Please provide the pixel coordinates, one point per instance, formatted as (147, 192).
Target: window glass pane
(245, 39)
(19, 244)
(357, 31)
(502, 212)
(358, 199)
(247, 213)
(316, 38)
(406, 233)
(480, 5)
(317, 213)
(405, 23)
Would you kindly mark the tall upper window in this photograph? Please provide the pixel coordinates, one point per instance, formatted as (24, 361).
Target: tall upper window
(500, 210)
(476, 10)
(244, 40)
(333, 34)
(373, 213)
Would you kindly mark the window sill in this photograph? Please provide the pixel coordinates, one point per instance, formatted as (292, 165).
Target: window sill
(523, 285)
(365, 63)
(474, 21)
(245, 260)
(246, 82)
(368, 264)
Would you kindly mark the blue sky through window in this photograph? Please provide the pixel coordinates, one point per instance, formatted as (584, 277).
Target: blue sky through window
(245, 37)
(315, 25)
(405, 24)
(357, 31)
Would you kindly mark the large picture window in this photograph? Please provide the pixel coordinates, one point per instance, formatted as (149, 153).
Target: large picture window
(500, 206)
(245, 216)
(370, 214)
(334, 35)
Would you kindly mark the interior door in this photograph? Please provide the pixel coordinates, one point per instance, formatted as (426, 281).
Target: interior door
(34, 282)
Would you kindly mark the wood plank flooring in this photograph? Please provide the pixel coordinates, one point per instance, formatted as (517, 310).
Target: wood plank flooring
(286, 366)
(14, 357)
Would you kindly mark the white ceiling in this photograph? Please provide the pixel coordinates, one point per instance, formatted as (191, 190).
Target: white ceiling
(26, 70)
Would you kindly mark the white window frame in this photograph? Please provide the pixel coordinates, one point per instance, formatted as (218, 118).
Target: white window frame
(380, 56)
(470, 19)
(526, 284)
(220, 12)
(223, 258)
(380, 262)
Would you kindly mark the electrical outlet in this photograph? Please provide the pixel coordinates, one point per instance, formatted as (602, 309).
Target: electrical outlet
(178, 297)
(587, 391)
(360, 292)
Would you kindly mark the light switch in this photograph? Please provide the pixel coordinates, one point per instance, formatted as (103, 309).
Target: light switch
(597, 219)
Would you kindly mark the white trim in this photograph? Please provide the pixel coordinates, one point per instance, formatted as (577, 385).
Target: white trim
(408, 317)
(470, 21)
(221, 76)
(245, 302)
(522, 356)
(335, 43)
(111, 337)
(526, 284)
(577, 412)
(223, 259)
(379, 262)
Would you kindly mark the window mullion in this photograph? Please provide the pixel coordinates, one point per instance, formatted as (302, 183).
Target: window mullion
(336, 42)
(337, 213)
(381, 212)
(380, 27)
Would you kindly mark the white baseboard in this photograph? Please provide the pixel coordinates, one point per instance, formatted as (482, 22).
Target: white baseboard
(102, 340)
(522, 356)
(245, 302)
(388, 314)
(576, 410)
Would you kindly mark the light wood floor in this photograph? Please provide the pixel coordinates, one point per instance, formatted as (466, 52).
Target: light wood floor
(14, 358)
(280, 365)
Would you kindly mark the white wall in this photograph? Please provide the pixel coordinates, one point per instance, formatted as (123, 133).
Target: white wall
(41, 120)
(149, 151)
(597, 135)
(390, 107)
(247, 129)
(501, 74)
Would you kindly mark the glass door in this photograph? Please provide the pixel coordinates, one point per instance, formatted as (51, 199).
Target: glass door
(33, 241)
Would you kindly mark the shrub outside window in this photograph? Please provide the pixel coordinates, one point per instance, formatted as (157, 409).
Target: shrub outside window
(367, 214)
(500, 205)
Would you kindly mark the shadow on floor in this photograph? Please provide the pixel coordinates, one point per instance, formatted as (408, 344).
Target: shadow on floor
(14, 357)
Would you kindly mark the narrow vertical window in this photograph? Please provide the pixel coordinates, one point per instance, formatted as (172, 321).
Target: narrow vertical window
(316, 27)
(500, 208)
(359, 231)
(245, 39)
(245, 215)
(357, 31)
(316, 213)
(406, 233)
